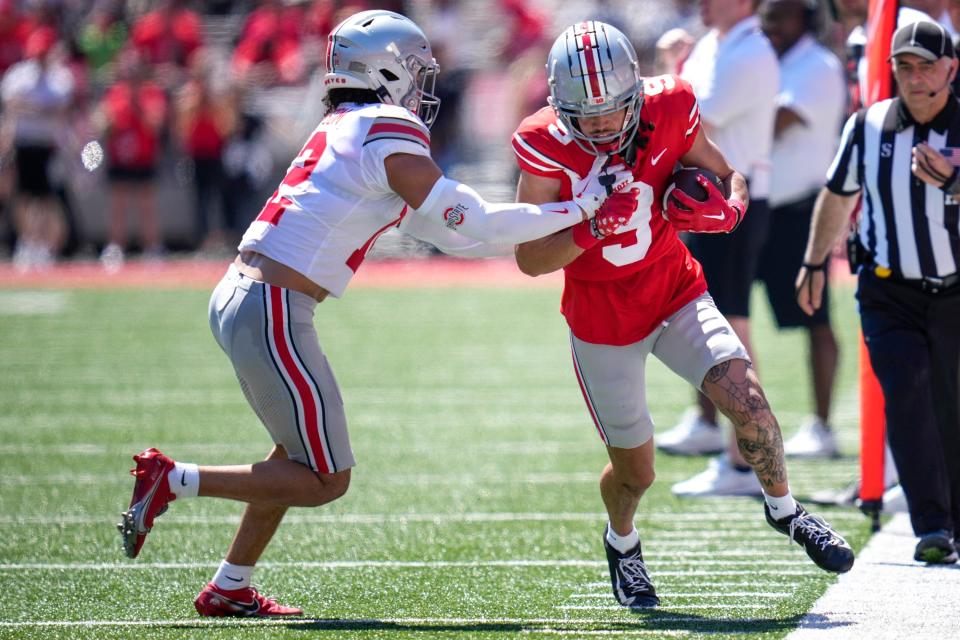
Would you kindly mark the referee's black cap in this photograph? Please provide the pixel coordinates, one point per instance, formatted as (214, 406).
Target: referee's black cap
(923, 38)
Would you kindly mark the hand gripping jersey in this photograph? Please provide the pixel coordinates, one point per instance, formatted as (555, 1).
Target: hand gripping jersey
(335, 200)
(619, 291)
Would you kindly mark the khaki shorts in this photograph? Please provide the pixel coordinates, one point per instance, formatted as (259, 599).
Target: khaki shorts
(612, 379)
(268, 334)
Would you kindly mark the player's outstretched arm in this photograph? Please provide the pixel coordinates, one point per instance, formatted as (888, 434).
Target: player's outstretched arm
(457, 206)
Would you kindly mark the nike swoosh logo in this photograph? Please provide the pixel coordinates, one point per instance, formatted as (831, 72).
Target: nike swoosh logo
(245, 608)
(232, 578)
(183, 478)
(719, 216)
(655, 159)
(563, 211)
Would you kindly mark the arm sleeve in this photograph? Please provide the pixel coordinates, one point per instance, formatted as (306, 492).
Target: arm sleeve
(843, 176)
(451, 242)
(458, 207)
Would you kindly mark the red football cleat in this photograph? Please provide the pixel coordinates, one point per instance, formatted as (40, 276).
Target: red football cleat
(151, 494)
(241, 603)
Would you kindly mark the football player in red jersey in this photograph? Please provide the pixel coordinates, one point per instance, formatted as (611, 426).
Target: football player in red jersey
(366, 168)
(639, 291)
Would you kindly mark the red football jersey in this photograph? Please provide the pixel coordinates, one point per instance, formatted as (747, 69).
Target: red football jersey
(618, 291)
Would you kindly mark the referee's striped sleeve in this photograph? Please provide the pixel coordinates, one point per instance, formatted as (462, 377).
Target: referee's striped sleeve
(843, 176)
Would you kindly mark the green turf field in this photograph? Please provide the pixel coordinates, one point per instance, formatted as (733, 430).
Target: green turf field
(474, 509)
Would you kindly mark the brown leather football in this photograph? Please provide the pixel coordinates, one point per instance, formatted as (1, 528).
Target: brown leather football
(685, 180)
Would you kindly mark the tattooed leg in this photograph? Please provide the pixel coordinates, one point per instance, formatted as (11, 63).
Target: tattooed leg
(735, 390)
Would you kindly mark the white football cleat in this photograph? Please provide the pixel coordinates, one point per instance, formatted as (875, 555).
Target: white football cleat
(719, 479)
(813, 440)
(692, 436)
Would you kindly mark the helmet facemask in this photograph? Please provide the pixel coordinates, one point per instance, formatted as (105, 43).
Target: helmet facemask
(422, 78)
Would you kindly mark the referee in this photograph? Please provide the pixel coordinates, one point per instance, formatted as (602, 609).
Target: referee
(900, 155)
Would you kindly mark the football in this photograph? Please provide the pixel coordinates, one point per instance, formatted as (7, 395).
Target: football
(685, 180)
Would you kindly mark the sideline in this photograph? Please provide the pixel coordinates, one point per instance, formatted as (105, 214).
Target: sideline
(190, 273)
(888, 595)
(197, 273)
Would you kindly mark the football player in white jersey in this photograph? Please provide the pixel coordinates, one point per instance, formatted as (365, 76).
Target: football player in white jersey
(365, 169)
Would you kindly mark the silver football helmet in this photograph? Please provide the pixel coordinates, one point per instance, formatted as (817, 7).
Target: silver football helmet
(387, 53)
(592, 70)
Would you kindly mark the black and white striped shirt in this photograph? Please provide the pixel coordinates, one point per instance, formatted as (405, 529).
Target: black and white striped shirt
(909, 226)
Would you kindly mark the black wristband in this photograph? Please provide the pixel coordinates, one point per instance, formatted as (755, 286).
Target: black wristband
(595, 229)
(951, 185)
(814, 267)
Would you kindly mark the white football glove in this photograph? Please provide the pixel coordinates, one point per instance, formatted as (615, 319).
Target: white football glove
(590, 192)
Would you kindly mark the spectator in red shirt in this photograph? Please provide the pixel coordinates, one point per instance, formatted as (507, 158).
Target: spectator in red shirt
(168, 37)
(204, 121)
(11, 35)
(270, 49)
(132, 115)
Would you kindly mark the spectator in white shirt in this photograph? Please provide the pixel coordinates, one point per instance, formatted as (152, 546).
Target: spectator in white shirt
(810, 110)
(36, 93)
(735, 74)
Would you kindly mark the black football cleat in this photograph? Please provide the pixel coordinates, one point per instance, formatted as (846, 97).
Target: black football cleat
(826, 547)
(935, 548)
(628, 575)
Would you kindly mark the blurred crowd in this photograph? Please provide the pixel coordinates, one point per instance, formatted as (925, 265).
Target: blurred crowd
(159, 125)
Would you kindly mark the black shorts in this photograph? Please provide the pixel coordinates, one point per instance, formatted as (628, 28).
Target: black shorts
(730, 260)
(780, 261)
(131, 174)
(33, 169)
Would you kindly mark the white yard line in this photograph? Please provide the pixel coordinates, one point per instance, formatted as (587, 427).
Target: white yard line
(887, 595)
(30, 303)
(388, 564)
(620, 633)
(569, 624)
(675, 607)
(775, 582)
(660, 519)
(669, 594)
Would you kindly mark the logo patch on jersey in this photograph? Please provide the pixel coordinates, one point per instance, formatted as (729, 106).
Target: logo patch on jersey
(454, 216)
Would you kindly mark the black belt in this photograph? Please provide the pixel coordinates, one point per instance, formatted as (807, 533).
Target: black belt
(927, 284)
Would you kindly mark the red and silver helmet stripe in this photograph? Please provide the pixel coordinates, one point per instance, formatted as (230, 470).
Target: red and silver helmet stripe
(330, 45)
(586, 40)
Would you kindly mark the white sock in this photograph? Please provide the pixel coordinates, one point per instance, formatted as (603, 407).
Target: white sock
(184, 480)
(622, 543)
(232, 576)
(782, 507)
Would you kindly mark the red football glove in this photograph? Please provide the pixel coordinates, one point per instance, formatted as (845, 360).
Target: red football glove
(615, 212)
(713, 215)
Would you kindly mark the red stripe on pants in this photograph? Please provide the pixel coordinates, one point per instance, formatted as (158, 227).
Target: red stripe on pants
(586, 397)
(310, 413)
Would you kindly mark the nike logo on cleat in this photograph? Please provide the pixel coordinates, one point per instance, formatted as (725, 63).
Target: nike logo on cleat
(248, 608)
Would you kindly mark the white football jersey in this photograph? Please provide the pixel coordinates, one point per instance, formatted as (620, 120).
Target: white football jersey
(335, 200)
